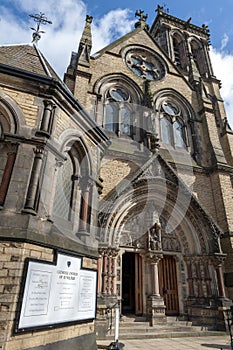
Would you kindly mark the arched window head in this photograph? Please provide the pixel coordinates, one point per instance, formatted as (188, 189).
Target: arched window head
(172, 126)
(118, 112)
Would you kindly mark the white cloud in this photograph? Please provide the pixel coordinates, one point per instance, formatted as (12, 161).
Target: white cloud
(224, 41)
(223, 69)
(110, 27)
(62, 37)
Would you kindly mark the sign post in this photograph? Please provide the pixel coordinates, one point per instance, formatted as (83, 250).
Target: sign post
(117, 319)
(116, 345)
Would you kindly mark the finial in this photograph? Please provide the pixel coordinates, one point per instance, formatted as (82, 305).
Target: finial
(187, 23)
(39, 19)
(142, 19)
(162, 8)
(89, 19)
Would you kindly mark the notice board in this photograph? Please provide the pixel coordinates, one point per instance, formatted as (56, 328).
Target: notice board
(56, 293)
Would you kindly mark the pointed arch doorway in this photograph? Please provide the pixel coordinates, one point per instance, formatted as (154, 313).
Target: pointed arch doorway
(132, 284)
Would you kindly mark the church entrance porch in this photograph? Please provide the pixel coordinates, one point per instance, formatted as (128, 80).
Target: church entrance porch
(145, 277)
(154, 285)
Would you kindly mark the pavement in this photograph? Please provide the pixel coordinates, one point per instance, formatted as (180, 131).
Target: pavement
(183, 343)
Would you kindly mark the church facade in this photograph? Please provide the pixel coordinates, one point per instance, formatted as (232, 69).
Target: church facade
(165, 210)
(126, 164)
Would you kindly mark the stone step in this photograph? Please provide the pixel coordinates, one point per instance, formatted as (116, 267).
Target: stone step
(154, 335)
(158, 329)
(138, 328)
(146, 324)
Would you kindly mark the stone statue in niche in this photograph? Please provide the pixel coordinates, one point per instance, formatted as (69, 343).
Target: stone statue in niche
(154, 237)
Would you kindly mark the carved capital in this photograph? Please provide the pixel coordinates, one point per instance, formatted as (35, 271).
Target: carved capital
(39, 152)
(153, 258)
(49, 105)
(218, 259)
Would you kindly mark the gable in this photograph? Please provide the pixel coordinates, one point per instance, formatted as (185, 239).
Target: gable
(114, 57)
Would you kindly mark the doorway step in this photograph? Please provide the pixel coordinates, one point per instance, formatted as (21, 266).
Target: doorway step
(138, 328)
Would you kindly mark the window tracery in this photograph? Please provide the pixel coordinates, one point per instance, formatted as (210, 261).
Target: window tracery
(173, 123)
(118, 112)
(172, 127)
(145, 64)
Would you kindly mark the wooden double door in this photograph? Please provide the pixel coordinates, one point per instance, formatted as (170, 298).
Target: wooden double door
(132, 298)
(132, 284)
(168, 284)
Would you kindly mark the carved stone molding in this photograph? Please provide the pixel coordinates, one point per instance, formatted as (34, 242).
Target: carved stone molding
(153, 257)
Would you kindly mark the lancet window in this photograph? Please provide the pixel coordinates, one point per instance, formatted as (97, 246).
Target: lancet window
(179, 51)
(118, 112)
(172, 126)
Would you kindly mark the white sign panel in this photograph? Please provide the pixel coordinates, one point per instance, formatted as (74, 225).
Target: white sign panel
(57, 293)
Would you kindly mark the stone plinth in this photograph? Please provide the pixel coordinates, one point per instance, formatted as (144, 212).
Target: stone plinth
(156, 310)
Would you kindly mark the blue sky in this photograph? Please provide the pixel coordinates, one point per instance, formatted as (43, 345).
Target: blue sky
(218, 15)
(113, 19)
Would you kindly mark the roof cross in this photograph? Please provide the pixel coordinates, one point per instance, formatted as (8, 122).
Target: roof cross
(140, 14)
(142, 20)
(39, 19)
(162, 8)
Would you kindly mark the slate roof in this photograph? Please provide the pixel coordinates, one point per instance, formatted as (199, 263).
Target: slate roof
(28, 58)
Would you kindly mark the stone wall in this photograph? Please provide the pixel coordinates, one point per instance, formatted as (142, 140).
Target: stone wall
(12, 260)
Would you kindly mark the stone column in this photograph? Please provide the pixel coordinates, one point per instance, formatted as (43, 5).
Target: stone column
(109, 272)
(155, 303)
(99, 268)
(35, 181)
(114, 269)
(11, 155)
(105, 273)
(219, 258)
(114, 276)
(155, 276)
(47, 119)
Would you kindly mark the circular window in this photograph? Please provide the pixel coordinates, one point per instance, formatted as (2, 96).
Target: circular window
(145, 64)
